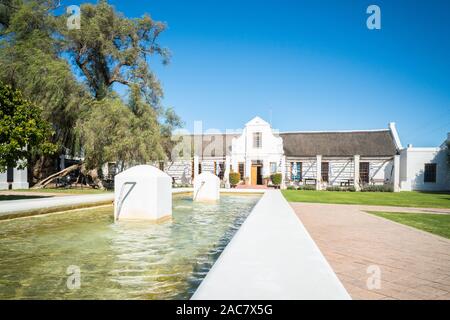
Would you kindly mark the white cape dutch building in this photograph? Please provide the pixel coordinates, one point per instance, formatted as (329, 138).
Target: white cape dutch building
(321, 159)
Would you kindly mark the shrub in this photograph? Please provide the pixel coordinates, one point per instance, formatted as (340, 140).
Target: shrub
(291, 188)
(307, 188)
(276, 178)
(334, 188)
(234, 177)
(377, 188)
(337, 188)
(182, 185)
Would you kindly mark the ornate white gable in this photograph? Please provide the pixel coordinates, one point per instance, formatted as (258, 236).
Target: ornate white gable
(271, 149)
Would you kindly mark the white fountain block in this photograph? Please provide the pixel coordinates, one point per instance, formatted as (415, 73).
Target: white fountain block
(142, 193)
(206, 187)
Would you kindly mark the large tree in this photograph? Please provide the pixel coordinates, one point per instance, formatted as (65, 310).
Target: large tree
(110, 48)
(31, 61)
(133, 139)
(73, 74)
(22, 129)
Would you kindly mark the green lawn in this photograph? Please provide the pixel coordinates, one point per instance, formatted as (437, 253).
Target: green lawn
(438, 224)
(63, 190)
(398, 199)
(41, 193)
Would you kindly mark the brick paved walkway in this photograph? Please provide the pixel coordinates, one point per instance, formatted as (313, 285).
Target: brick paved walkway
(413, 264)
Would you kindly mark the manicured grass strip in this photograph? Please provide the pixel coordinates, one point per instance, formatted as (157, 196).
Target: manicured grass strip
(398, 199)
(64, 190)
(61, 208)
(438, 224)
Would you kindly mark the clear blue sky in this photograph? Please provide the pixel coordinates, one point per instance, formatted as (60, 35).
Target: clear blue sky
(312, 64)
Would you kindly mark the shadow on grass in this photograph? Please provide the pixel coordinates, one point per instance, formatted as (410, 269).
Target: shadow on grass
(20, 197)
(435, 192)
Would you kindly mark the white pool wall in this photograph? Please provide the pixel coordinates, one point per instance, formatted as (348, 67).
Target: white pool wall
(272, 256)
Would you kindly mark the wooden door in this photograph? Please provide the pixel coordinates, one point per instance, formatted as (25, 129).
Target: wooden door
(254, 175)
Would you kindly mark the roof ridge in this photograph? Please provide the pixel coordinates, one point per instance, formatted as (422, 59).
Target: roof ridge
(336, 131)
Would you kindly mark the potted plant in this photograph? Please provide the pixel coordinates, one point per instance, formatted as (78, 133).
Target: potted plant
(234, 179)
(276, 179)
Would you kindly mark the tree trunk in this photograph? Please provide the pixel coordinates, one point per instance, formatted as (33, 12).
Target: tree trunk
(93, 174)
(41, 184)
(40, 167)
(95, 177)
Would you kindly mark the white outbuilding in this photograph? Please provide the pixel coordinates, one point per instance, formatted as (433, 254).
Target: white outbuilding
(206, 187)
(142, 193)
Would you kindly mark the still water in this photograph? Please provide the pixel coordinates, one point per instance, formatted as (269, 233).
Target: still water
(40, 256)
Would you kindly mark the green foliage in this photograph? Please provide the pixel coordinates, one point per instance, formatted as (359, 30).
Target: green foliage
(110, 49)
(110, 131)
(235, 177)
(276, 178)
(307, 187)
(377, 188)
(22, 129)
(447, 147)
(30, 62)
(337, 188)
(121, 47)
(7, 8)
(302, 187)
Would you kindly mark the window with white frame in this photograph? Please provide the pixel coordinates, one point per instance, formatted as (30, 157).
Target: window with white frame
(273, 167)
(257, 140)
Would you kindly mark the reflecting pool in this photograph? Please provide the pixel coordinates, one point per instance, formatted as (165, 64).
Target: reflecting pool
(85, 255)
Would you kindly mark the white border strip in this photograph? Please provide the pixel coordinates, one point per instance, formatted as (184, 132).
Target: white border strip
(272, 256)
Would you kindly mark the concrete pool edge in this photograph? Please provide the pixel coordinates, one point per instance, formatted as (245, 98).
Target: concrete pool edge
(11, 209)
(272, 256)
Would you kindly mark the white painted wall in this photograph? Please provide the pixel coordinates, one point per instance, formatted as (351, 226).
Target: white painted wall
(343, 169)
(271, 150)
(412, 166)
(20, 180)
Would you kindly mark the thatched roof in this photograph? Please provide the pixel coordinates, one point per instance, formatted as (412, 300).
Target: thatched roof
(379, 143)
(340, 144)
(216, 145)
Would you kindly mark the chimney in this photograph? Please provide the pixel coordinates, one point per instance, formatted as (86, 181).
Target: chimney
(394, 132)
(410, 145)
